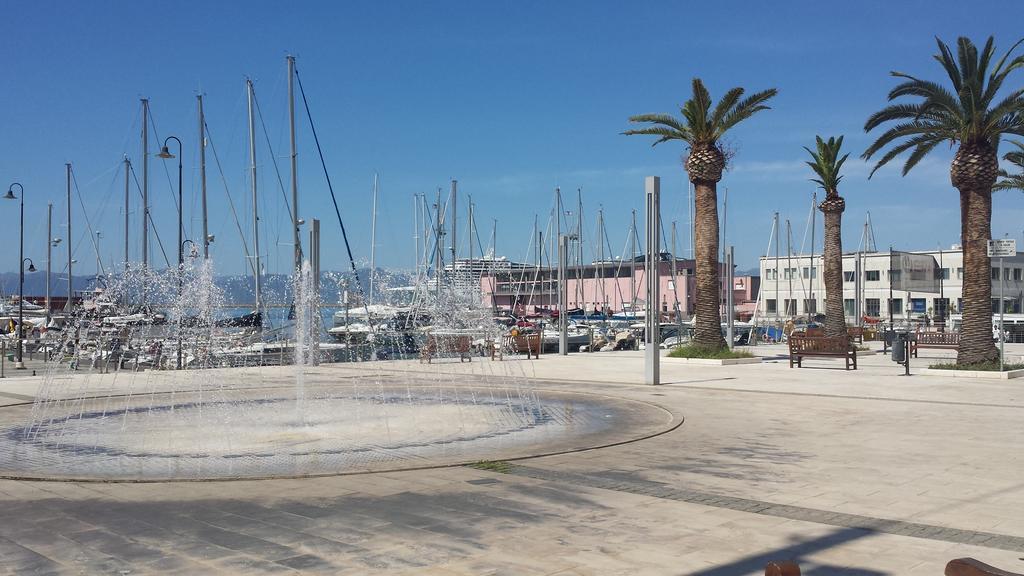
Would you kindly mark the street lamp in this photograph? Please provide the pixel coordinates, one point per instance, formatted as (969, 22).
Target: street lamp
(20, 364)
(165, 153)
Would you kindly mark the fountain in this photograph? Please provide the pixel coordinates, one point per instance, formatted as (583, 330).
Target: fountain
(113, 406)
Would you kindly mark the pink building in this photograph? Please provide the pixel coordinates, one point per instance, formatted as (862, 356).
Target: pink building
(610, 287)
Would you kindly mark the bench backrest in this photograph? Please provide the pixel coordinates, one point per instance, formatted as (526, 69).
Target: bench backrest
(818, 344)
(855, 330)
(972, 567)
(523, 342)
(938, 337)
(448, 343)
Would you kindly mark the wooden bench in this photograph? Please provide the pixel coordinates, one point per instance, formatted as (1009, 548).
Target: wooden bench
(946, 340)
(782, 569)
(446, 343)
(821, 346)
(529, 343)
(856, 333)
(972, 567)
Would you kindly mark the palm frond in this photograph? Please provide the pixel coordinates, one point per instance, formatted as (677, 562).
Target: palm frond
(963, 114)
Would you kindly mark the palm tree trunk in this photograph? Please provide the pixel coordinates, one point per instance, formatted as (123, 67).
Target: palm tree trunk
(976, 229)
(835, 316)
(707, 330)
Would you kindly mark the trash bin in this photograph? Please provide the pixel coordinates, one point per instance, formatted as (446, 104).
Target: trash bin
(899, 347)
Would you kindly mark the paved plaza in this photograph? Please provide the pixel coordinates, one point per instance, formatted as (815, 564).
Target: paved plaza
(862, 473)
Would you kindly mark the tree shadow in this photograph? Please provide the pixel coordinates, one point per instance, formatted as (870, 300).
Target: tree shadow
(796, 552)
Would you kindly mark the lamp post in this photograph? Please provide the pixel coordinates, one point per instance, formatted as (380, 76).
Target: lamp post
(165, 153)
(194, 252)
(20, 364)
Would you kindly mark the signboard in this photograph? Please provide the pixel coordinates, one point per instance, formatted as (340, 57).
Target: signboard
(913, 272)
(1002, 248)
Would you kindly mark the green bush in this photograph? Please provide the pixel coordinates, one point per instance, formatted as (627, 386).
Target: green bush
(695, 351)
(981, 366)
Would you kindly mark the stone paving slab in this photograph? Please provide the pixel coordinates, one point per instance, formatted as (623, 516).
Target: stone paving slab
(863, 473)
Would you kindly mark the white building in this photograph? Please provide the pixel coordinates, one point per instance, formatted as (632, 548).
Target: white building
(793, 286)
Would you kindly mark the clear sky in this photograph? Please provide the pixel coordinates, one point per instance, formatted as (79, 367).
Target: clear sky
(512, 99)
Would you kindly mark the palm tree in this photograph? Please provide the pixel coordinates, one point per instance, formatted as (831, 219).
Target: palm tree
(702, 128)
(826, 164)
(971, 117)
(1012, 181)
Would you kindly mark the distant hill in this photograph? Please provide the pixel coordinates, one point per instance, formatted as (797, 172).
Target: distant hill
(238, 289)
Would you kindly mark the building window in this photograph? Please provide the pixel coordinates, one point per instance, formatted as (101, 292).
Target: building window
(995, 273)
(960, 273)
(772, 306)
(790, 307)
(941, 307)
(944, 273)
(894, 276)
(896, 305)
(848, 276)
(1006, 273)
(872, 275)
(849, 307)
(960, 305)
(810, 306)
(872, 306)
(995, 304)
(810, 272)
(1017, 274)
(918, 305)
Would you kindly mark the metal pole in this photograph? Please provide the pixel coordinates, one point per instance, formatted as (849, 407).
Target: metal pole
(20, 364)
(652, 335)
(814, 220)
(294, 158)
(314, 261)
(67, 305)
(127, 200)
(1003, 302)
(563, 324)
(202, 177)
(729, 297)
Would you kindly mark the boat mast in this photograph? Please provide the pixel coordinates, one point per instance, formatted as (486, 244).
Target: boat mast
(579, 250)
(455, 225)
(472, 273)
(438, 245)
(255, 199)
(145, 186)
(632, 265)
(49, 246)
(775, 225)
(373, 239)
(600, 257)
(295, 179)
(202, 176)
(67, 305)
(127, 176)
(789, 266)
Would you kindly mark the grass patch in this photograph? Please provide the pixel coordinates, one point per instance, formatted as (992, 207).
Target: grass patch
(499, 466)
(980, 367)
(695, 351)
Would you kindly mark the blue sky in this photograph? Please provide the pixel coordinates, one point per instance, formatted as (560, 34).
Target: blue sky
(512, 99)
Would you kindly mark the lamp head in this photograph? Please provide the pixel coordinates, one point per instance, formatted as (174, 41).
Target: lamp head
(165, 152)
(56, 241)
(31, 267)
(10, 195)
(209, 238)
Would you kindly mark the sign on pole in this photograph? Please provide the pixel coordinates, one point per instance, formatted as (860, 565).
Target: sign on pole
(1002, 248)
